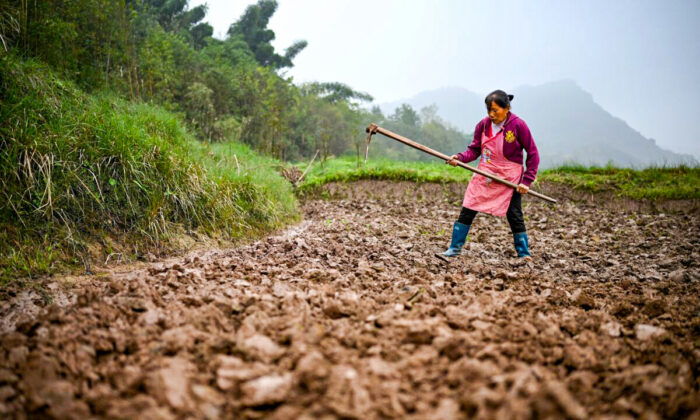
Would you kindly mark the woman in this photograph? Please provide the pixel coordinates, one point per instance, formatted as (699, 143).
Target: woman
(500, 139)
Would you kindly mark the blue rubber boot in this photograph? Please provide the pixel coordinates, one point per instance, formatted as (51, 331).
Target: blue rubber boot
(459, 237)
(521, 244)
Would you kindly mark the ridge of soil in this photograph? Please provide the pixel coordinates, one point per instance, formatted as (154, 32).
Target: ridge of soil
(349, 315)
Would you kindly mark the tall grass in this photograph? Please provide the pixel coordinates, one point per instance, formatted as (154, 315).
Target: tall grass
(264, 195)
(74, 167)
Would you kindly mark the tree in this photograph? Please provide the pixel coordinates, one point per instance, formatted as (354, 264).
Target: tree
(199, 107)
(406, 115)
(9, 25)
(335, 92)
(201, 34)
(376, 112)
(429, 114)
(252, 28)
(173, 15)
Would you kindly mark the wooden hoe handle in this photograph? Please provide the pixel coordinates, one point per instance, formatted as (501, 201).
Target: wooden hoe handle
(374, 128)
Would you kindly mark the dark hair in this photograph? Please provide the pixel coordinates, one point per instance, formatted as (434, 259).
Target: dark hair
(501, 98)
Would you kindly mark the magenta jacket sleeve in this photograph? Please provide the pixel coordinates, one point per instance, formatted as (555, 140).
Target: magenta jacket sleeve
(533, 157)
(474, 149)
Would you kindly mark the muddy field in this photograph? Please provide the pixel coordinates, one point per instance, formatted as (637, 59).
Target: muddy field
(348, 315)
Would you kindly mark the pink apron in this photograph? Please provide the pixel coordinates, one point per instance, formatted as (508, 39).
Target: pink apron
(485, 195)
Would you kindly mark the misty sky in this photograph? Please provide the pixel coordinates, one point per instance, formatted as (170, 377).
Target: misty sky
(639, 59)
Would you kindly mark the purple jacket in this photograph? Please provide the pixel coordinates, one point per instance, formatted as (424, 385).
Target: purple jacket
(513, 151)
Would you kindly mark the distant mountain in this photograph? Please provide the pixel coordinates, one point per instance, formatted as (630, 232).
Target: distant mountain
(568, 126)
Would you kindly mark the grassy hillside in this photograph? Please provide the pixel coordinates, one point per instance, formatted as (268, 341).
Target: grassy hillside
(653, 183)
(84, 172)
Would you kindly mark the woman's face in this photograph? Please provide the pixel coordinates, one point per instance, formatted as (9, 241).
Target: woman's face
(497, 114)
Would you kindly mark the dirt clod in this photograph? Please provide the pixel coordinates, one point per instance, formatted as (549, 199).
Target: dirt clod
(647, 332)
(266, 390)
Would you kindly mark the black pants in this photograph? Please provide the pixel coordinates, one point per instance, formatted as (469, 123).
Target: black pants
(514, 215)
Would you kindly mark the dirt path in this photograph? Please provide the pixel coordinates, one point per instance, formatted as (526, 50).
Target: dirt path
(348, 315)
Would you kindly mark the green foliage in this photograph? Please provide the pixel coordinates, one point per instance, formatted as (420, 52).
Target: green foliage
(201, 34)
(273, 203)
(85, 40)
(405, 115)
(423, 126)
(160, 51)
(166, 63)
(173, 15)
(9, 25)
(80, 165)
(252, 28)
(651, 184)
(335, 92)
(332, 129)
(200, 109)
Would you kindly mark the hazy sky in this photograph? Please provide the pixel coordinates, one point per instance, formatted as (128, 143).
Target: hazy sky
(639, 59)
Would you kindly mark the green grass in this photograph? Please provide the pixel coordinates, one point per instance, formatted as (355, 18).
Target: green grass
(653, 183)
(82, 171)
(346, 169)
(268, 199)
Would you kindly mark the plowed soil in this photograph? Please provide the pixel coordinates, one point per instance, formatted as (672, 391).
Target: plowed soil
(349, 315)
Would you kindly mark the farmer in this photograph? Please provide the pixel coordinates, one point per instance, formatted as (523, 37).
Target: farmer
(500, 139)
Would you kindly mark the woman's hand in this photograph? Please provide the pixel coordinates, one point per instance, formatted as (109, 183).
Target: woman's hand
(523, 189)
(453, 160)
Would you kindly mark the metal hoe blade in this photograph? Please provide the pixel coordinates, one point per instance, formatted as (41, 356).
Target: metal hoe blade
(369, 138)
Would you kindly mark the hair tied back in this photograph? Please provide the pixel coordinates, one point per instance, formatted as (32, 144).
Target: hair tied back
(498, 97)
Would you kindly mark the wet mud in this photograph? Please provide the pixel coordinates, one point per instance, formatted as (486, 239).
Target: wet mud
(349, 315)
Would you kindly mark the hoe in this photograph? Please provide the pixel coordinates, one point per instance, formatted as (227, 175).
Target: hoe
(374, 128)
